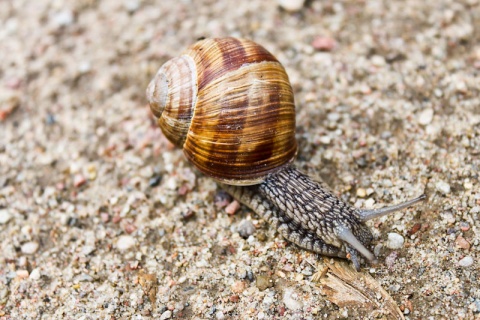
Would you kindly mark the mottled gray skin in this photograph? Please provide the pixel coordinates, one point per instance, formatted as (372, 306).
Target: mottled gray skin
(305, 213)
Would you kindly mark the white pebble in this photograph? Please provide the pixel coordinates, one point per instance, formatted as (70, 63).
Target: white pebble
(220, 315)
(466, 262)
(166, 315)
(325, 140)
(369, 203)
(82, 278)
(395, 241)
(131, 5)
(378, 61)
(5, 216)
(443, 187)
(289, 299)
(63, 18)
(333, 116)
(291, 5)
(29, 247)
(426, 116)
(86, 250)
(35, 274)
(125, 242)
(246, 228)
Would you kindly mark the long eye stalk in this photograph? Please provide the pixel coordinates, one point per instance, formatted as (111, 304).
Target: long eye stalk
(366, 215)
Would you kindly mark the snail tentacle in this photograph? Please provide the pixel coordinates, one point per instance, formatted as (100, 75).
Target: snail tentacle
(366, 215)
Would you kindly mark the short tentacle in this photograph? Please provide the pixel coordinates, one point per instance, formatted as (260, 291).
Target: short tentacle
(346, 235)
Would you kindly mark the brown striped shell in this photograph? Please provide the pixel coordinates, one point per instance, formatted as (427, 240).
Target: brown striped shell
(229, 104)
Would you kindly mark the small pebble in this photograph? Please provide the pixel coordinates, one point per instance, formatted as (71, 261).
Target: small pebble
(377, 249)
(461, 242)
(82, 278)
(467, 184)
(391, 258)
(86, 250)
(261, 236)
(291, 5)
(250, 276)
(63, 18)
(466, 262)
(361, 162)
(307, 271)
(187, 215)
(362, 193)
(395, 241)
(238, 286)
(232, 207)
(125, 242)
(291, 299)
(5, 216)
(35, 274)
(263, 282)
(378, 61)
(50, 119)
(477, 305)
(443, 187)
(22, 274)
(325, 140)
(246, 229)
(166, 315)
(321, 43)
(414, 229)
(461, 87)
(426, 116)
(92, 172)
(369, 203)
(299, 277)
(222, 199)
(29, 247)
(105, 217)
(22, 261)
(131, 5)
(464, 226)
(79, 180)
(154, 181)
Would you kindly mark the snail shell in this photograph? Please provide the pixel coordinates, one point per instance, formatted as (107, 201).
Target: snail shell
(229, 104)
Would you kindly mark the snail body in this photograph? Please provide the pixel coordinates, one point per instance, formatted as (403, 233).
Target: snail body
(229, 104)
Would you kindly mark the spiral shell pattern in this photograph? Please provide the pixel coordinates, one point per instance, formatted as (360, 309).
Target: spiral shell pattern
(228, 102)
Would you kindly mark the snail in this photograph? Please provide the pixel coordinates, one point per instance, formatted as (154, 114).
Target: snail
(229, 104)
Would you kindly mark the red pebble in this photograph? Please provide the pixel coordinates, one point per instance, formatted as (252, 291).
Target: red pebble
(79, 180)
(232, 207)
(324, 43)
(415, 228)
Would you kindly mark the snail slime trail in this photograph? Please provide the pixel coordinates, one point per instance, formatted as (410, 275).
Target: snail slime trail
(229, 105)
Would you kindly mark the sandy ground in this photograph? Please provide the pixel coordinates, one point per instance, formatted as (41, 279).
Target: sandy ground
(102, 218)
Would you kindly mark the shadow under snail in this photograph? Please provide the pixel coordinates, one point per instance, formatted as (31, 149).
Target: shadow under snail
(229, 104)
